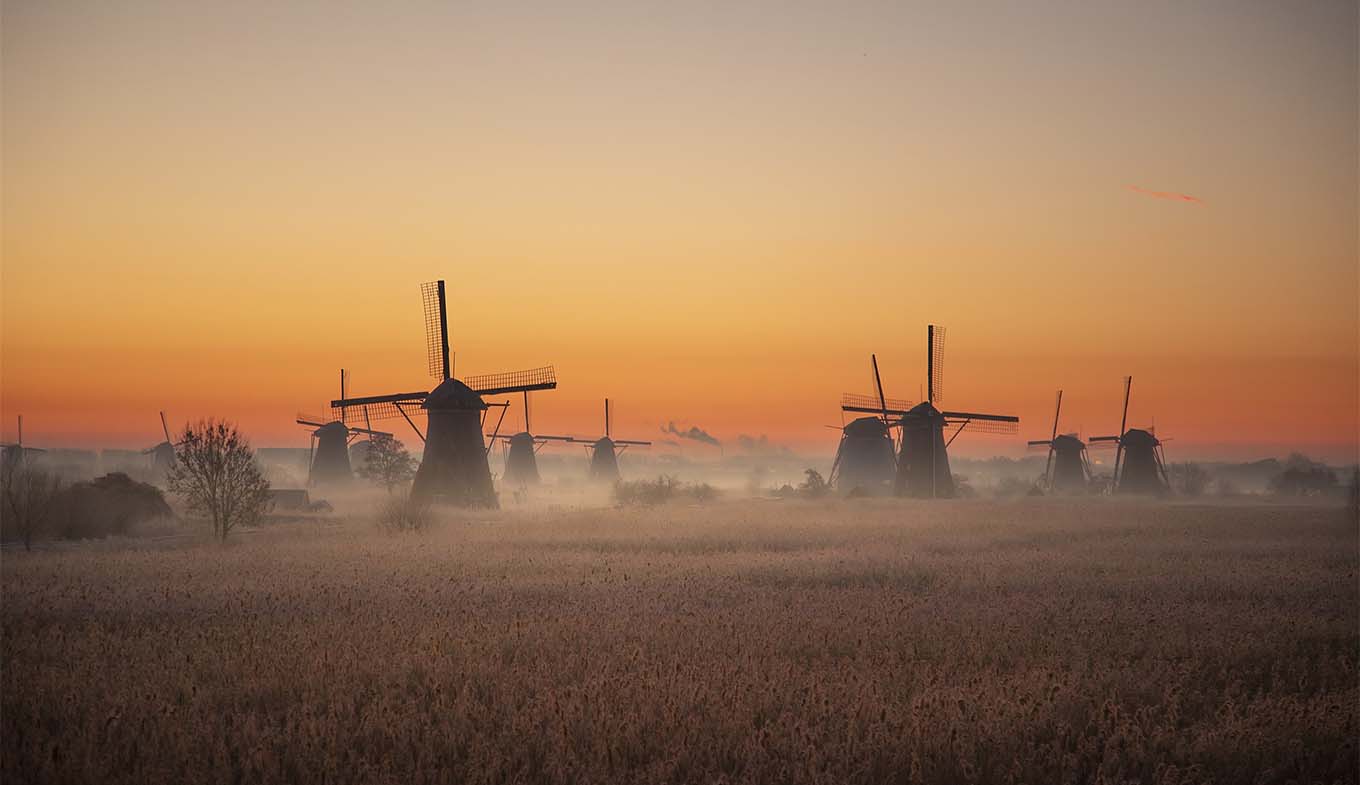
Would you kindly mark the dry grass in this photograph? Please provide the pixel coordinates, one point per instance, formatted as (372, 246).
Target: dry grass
(866, 641)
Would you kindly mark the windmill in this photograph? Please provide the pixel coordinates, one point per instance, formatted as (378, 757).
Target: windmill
(866, 457)
(604, 461)
(454, 466)
(923, 457)
(521, 464)
(328, 456)
(1066, 470)
(1138, 463)
(16, 451)
(163, 454)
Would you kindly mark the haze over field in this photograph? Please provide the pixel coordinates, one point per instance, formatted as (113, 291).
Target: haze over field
(712, 215)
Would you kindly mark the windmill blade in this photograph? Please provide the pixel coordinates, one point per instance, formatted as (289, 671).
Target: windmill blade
(633, 442)
(934, 364)
(983, 417)
(544, 378)
(1123, 428)
(871, 404)
(554, 438)
(165, 429)
(1000, 427)
(878, 387)
(360, 411)
(1048, 462)
(1039, 443)
(436, 328)
(606, 418)
(1095, 439)
(527, 422)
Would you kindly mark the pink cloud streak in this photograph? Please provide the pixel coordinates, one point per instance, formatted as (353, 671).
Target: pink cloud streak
(1175, 197)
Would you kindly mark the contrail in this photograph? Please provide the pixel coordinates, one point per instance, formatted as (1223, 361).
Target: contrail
(1175, 197)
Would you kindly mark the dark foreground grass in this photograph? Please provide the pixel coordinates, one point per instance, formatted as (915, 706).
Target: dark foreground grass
(779, 642)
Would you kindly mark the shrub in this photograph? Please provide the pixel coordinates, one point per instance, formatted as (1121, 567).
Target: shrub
(814, 487)
(1189, 479)
(663, 489)
(1303, 477)
(110, 505)
(404, 514)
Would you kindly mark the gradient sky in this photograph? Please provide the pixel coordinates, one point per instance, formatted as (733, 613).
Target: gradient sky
(711, 213)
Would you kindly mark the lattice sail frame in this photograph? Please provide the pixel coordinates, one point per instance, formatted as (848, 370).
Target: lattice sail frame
(386, 410)
(544, 378)
(985, 426)
(434, 333)
(857, 402)
(937, 364)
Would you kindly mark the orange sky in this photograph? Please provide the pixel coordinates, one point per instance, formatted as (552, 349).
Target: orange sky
(711, 216)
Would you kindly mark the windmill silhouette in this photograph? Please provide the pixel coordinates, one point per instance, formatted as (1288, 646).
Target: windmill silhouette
(1139, 466)
(1067, 469)
(604, 451)
(521, 462)
(16, 451)
(866, 458)
(163, 454)
(328, 454)
(454, 467)
(923, 457)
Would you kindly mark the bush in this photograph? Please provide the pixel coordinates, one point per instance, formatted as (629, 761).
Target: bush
(663, 489)
(814, 487)
(404, 514)
(1303, 477)
(1189, 479)
(1012, 486)
(105, 506)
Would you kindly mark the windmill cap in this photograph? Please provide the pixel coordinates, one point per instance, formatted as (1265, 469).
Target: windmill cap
(604, 441)
(868, 427)
(923, 410)
(332, 427)
(521, 438)
(1138, 436)
(1066, 441)
(453, 394)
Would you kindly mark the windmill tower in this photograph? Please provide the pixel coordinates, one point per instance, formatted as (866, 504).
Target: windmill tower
(923, 457)
(1138, 462)
(1067, 469)
(867, 456)
(453, 468)
(604, 457)
(329, 463)
(521, 462)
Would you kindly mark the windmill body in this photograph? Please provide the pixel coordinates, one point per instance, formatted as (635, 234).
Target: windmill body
(1142, 471)
(1071, 471)
(521, 464)
(454, 468)
(330, 461)
(865, 459)
(163, 454)
(923, 464)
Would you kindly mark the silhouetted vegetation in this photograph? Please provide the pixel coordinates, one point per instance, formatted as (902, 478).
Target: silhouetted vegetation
(1189, 479)
(387, 463)
(814, 486)
(29, 494)
(216, 475)
(1303, 477)
(663, 489)
(403, 514)
(110, 505)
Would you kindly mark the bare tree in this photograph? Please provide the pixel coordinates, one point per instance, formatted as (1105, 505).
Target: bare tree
(387, 463)
(216, 475)
(29, 493)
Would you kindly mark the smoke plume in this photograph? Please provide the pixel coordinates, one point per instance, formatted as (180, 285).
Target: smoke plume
(693, 433)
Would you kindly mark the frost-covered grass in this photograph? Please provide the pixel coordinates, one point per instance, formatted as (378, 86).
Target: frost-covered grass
(742, 641)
